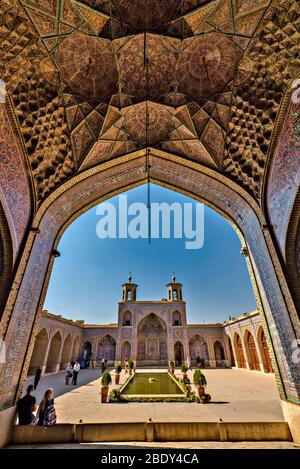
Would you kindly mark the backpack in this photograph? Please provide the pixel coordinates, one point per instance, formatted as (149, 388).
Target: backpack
(50, 416)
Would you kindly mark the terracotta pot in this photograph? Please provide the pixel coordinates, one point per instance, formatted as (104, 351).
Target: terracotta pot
(104, 394)
(184, 376)
(201, 391)
(117, 378)
(172, 371)
(130, 371)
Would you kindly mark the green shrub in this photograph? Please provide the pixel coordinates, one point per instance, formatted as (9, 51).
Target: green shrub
(115, 396)
(183, 368)
(130, 364)
(106, 378)
(199, 378)
(118, 368)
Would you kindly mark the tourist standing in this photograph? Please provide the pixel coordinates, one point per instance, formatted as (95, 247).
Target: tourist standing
(46, 414)
(103, 365)
(26, 406)
(37, 377)
(76, 369)
(189, 363)
(69, 373)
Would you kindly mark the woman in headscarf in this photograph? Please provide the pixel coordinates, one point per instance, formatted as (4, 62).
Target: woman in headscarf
(46, 414)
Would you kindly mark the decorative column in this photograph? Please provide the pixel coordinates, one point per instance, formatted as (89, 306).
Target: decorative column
(245, 350)
(211, 353)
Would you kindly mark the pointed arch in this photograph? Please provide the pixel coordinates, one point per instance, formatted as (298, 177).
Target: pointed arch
(241, 359)
(107, 348)
(39, 351)
(66, 353)
(264, 350)
(53, 364)
(251, 351)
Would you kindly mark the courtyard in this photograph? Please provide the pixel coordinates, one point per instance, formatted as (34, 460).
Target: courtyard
(237, 395)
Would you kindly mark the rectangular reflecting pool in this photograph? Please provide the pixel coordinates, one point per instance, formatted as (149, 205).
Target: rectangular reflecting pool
(151, 384)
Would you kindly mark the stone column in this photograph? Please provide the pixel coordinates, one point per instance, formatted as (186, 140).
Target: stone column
(59, 356)
(245, 351)
(44, 363)
(211, 353)
(233, 350)
(259, 355)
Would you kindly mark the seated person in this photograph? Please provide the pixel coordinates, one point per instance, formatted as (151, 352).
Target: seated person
(26, 406)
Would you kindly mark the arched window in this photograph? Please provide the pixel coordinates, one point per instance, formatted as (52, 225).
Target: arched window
(176, 319)
(175, 294)
(129, 295)
(127, 320)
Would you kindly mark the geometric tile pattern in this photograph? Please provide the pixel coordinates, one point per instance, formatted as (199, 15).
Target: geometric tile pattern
(94, 79)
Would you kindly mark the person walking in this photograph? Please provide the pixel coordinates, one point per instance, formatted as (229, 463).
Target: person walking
(189, 363)
(26, 406)
(37, 377)
(46, 414)
(76, 369)
(103, 365)
(69, 373)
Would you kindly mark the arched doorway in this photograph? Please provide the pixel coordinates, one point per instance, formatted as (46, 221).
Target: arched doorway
(198, 348)
(219, 353)
(86, 354)
(252, 353)
(100, 182)
(39, 351)
(107, 349)
(231, 354)
(66, 353)
(262, 341)
(53, 357)
(240, 352)
(125, 351)
(152, 341)
(178, 353)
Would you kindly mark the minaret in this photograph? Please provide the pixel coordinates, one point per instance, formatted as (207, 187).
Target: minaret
(129, 290)
(174, 290)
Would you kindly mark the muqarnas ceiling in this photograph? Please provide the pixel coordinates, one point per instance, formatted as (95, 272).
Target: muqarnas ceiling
(200, 79)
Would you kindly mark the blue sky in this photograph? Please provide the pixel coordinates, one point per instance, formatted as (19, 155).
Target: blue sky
(86, 280)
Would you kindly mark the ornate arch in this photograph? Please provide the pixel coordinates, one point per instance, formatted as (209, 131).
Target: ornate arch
(204, 184)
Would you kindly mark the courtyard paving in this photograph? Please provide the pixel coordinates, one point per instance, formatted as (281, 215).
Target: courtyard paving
(237, 395)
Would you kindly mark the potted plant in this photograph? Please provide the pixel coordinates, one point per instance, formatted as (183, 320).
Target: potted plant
(198, 361)
(199, 380)
(172, 366)
(118, 370)
(130, 366)
(105, 382)
(184, 369)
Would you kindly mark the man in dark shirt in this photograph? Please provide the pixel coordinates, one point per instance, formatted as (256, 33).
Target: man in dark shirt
(37, 377)
(26, 406)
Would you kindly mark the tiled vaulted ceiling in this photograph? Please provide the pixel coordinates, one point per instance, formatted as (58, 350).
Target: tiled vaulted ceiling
(95, 79)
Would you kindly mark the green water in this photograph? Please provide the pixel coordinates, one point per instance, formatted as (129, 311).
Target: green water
(163, 384)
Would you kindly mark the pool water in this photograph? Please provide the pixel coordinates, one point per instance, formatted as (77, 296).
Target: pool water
(162, 384)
